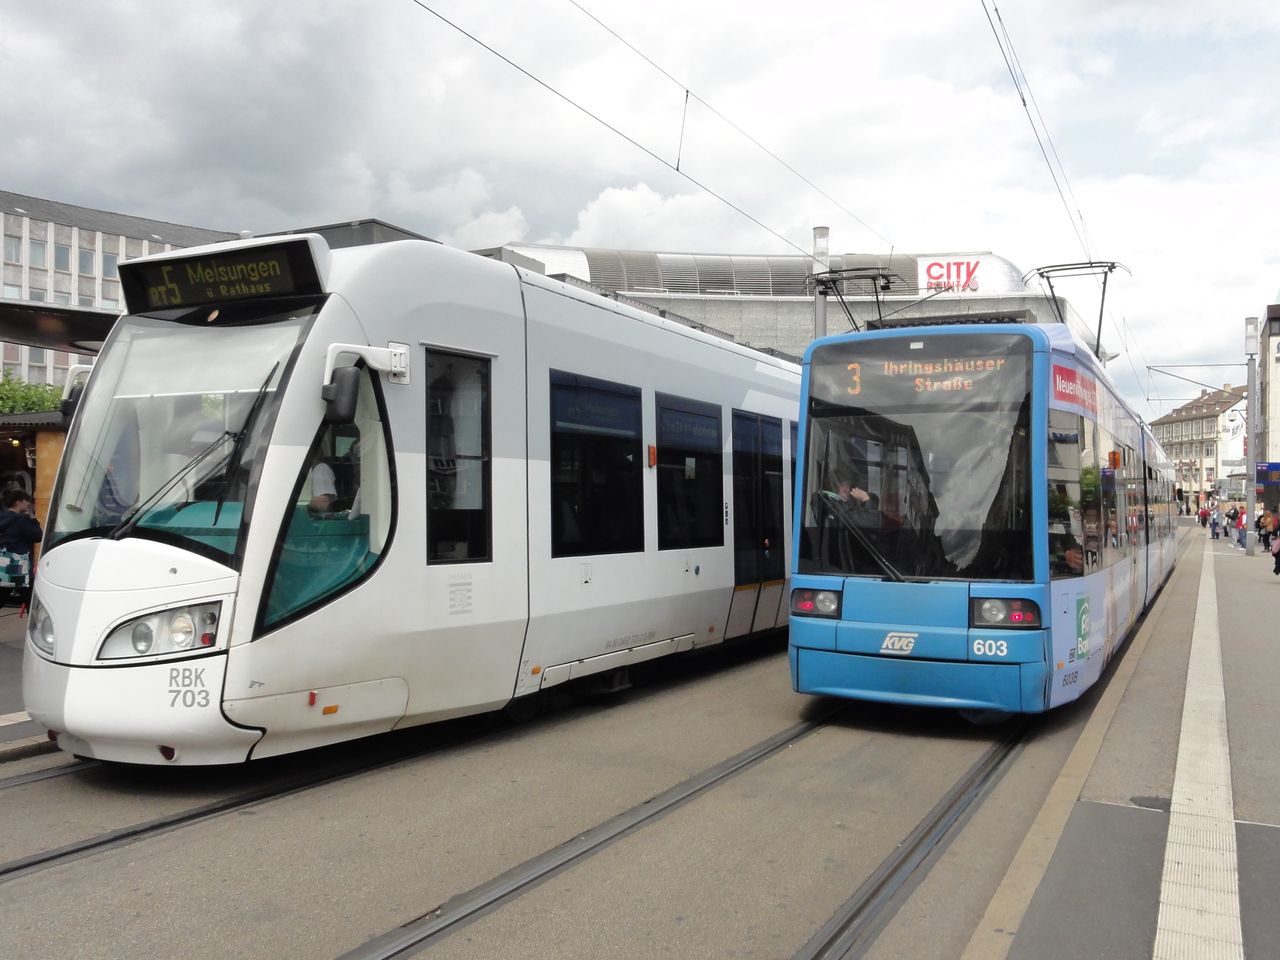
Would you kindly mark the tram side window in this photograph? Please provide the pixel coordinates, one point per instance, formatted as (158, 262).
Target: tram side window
(1090, 496)
(795, 440)
(1066, 521)
(459, 519)
(340, 519)
(1111, 462)
(597, 479)
(690, 474)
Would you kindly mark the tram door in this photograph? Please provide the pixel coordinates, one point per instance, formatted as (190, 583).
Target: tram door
(759, 524)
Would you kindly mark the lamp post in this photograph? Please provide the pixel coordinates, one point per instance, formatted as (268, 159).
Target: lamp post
(1250, 441)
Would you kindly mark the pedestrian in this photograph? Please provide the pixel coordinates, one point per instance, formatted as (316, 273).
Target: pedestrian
(1242, 527)
(1215, 522)
(19, 532)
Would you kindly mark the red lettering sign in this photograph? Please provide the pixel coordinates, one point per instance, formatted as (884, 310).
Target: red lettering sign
(1075, 388)
(951, 274)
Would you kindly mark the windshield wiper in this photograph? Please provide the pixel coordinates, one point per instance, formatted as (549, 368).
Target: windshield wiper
(861, 537)
(134, 515)
(237, 449)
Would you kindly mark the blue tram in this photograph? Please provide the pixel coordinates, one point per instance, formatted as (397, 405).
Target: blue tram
(979, 518)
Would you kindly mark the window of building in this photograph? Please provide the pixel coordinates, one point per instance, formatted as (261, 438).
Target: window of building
(86, 262)
(12, 291)
(597, 489)
(13, 249)
(109, 266)
(84, 300)
(62, 257)
(35, 354)
(459, 517)
(35, 294)
(109, 304)
(37, 253)
(61, 297)
(1208, 449)
(690, 474)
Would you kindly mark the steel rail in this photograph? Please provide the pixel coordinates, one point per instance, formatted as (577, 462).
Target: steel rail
(35, 776)
(436, 924)
(854, 926)
(122, 836)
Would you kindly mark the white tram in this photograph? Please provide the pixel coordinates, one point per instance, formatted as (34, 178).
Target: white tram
(311, 495)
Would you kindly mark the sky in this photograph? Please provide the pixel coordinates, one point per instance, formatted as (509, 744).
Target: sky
(1159, 119)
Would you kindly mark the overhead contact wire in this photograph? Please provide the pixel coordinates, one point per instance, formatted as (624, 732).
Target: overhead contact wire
(604, 123)
(688, 93)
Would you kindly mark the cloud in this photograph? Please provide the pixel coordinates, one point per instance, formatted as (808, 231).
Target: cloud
(241, 115)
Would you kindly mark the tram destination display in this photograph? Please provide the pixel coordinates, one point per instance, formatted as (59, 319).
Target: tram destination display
(944, 369)
(274, 270)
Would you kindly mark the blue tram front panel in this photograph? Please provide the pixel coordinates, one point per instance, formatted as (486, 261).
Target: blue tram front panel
(912, 643)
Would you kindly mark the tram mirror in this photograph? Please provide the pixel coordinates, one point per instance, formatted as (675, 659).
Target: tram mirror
(69, 404)
(339, 395)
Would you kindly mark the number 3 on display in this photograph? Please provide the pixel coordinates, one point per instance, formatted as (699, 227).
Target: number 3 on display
(855, 379)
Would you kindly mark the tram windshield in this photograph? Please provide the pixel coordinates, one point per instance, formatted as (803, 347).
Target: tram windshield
(172, 425)
(918, 458)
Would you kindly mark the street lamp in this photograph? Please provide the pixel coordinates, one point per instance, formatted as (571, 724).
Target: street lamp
(1250, 414)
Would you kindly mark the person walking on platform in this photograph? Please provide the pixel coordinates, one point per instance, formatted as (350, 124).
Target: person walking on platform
(19, 532)
(1215, 523)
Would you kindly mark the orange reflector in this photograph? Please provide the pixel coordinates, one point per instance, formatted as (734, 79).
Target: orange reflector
(332, 708)
(536, 670)
(653, 455)
(1060, 664)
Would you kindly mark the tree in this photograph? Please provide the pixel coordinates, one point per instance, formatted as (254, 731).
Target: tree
(18, 396)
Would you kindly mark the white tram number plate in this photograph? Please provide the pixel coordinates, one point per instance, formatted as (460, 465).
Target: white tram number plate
(186, 687)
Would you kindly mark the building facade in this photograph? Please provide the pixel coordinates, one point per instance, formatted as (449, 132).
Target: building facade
(767, 302)
(1205, 438)
(66, 255)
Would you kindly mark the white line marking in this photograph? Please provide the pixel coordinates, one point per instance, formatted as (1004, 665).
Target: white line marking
(8, 718)
(1200, 885)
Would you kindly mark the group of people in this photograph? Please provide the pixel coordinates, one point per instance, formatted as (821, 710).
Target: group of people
(1234, 524)
(1231, 524)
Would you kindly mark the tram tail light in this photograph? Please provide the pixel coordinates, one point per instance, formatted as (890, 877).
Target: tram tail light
(816, 603)
(1004, 613)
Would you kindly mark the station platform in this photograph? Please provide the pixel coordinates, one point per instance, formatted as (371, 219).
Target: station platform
(1161, 835)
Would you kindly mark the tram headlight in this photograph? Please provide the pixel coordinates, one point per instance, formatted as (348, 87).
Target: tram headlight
(1004, 613)
(177, 630)
(143, 636)
(815, 603)
(40, 628)
(182, 630)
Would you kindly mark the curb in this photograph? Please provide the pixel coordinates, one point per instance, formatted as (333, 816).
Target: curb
(28, 747)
